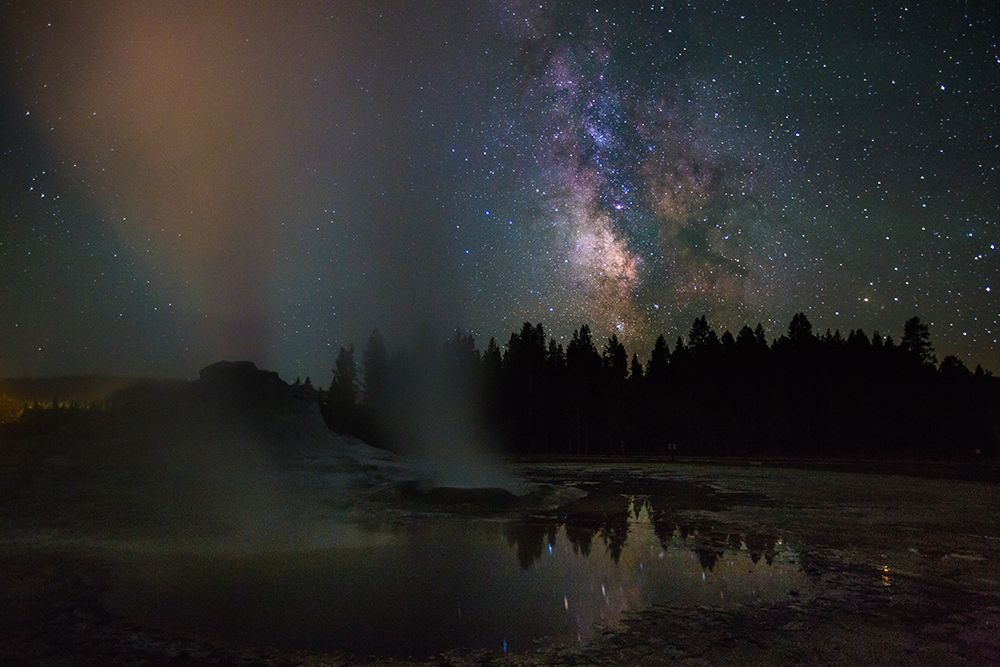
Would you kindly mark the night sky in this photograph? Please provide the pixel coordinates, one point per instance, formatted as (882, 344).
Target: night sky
(184, 182)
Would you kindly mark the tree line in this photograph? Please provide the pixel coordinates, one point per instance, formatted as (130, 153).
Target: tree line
(800, 394)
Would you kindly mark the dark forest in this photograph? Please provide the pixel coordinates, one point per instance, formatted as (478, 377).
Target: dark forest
(802, 394)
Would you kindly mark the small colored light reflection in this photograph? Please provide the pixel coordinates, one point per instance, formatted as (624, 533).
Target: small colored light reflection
(885, 576)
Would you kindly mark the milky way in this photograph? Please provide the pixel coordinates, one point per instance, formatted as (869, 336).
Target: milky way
(746, 162)
(187, 182)
(647, 198)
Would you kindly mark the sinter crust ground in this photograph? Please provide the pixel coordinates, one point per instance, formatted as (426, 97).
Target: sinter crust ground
(938, 603)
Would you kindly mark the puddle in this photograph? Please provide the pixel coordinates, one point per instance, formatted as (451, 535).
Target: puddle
(431, 586)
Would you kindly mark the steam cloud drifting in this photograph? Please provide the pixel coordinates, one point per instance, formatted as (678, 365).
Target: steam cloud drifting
(191, 141)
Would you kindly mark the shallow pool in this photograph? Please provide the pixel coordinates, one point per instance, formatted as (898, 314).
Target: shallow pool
(421, 587)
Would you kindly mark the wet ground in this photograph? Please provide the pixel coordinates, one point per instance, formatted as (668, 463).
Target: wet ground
(601, 563)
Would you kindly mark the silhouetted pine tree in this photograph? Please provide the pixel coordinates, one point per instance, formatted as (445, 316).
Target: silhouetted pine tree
(916, 342)
(583, 374)
(342, 397)
(657, 367)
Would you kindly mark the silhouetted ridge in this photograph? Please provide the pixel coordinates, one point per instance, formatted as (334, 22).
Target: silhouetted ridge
(243, 382)
(230, 404)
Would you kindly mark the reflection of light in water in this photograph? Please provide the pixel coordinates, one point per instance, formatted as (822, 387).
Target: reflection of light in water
(744, 570)
(885, 576)
(388, 594)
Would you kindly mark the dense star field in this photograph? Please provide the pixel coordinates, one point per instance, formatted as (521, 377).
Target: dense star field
(185, 182)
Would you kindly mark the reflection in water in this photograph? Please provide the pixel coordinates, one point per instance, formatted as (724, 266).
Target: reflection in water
(649, 556)
(530, 540)
(431, 587)
(612, 526)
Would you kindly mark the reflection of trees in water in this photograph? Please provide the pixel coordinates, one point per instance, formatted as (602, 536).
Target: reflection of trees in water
(580, 537)
(612, 523)
(708, 558)
(530, 539)
(663, 525)
(760, 545)
(614, 528)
